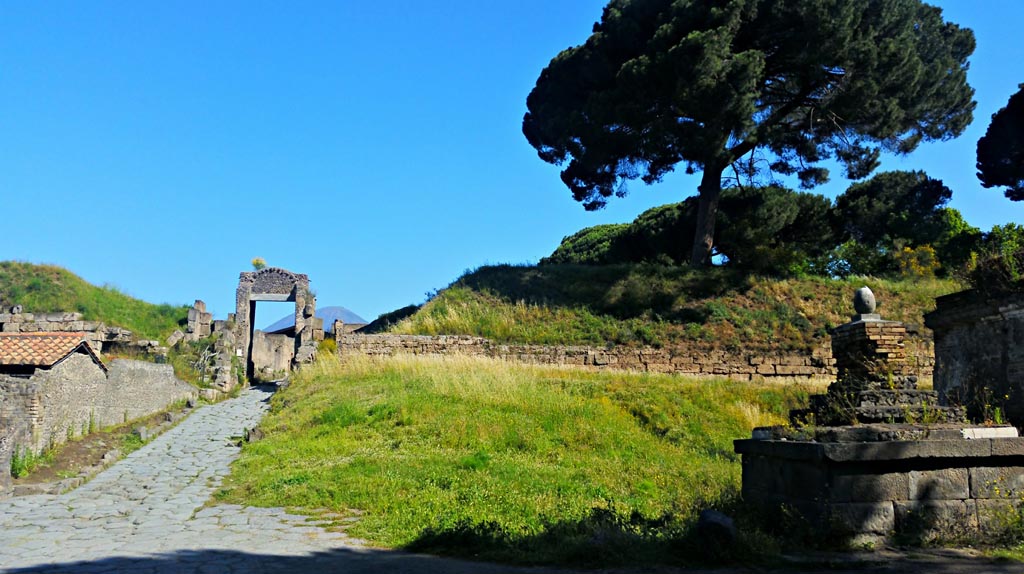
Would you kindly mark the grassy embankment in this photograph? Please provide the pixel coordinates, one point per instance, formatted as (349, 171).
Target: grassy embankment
(511, 462)
(48, 288)
(658, 305)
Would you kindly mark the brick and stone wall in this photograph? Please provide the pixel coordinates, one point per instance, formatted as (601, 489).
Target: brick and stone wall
(76, 394)
(19, 406)
(750, 365)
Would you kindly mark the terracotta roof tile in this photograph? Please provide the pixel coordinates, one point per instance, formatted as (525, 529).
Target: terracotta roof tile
(39, 349)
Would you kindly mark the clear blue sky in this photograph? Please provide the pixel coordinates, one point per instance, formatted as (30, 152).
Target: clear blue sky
(375, 146)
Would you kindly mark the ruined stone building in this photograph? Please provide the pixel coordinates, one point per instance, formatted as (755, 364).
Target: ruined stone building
(54, 386)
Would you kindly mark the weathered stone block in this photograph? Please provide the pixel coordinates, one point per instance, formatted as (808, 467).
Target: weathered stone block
(790, 370)
(175, 338)
(762, 475)
(1007, 446)
(863, 517)
(941, 484)
(860, 485)
(936, 519)
(997, 515)
(903, 450)
(997, 482)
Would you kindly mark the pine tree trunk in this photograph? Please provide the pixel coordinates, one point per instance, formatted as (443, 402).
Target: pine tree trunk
(707, 213)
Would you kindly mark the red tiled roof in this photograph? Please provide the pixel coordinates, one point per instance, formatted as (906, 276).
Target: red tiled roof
(40, 349)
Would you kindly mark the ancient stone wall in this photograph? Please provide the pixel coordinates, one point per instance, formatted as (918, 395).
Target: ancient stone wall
(19, 406)
(694, 361)
(859, 488)
(140, 388)
(272, 354)
(99, 336)
(199, 323)
(66, 397)
(76, 395)
(979, 344)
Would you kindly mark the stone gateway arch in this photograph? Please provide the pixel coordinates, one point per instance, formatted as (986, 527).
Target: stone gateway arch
(276, 284)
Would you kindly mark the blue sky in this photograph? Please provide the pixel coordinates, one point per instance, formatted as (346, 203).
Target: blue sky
(376, 147)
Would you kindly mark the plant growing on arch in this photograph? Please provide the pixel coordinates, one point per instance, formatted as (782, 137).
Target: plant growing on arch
(749, 86)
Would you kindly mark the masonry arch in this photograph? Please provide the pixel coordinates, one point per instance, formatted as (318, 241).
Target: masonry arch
(275, 284)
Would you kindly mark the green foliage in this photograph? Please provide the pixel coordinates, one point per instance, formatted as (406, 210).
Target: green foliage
(24, 460)
(258, 263)
(386, 320)
(327, 347)
(193, 361)
(1001, 149)
(893, 210)
(958, 241)
(769, 230)
(773, 230)
(520, 463)
(591, 245)
(999, 267)
(47, 288)
(646, 304)
(711, 82)
(131, 442)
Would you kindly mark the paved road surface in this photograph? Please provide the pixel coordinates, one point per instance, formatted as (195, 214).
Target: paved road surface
(147, 514)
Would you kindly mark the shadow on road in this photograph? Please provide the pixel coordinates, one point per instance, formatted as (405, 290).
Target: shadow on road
(355, 561)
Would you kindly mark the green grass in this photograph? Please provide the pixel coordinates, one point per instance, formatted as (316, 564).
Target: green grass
(24, 461)
(520, 463)
(47, 288)
(645, 304)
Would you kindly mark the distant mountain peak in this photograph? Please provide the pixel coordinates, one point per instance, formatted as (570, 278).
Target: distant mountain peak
(328, 314)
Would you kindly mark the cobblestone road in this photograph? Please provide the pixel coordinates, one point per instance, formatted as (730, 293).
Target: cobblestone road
(151, 504)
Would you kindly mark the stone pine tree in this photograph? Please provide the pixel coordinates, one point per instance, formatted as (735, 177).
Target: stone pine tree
(1001, 149)
(747, 88)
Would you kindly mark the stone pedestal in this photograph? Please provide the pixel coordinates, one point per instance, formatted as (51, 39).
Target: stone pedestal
(868, 482)
(874, 383)
(875, 483)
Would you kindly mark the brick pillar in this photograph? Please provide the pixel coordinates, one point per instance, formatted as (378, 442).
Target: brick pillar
(870, 355)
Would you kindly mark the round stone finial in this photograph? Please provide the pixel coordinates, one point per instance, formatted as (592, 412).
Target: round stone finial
(864, 301)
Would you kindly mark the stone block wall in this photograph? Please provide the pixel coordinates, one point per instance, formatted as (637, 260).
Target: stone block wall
(918, 490)
(979, 344)
(272, 354)
(199, 323)
(693, 361)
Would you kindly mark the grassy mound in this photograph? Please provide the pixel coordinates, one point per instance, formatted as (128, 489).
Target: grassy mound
(47, 288)
(643, 304)
(483, 458)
